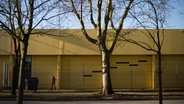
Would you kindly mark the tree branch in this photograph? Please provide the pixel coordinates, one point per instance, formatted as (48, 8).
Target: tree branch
(106, 22)
(11, 33)
(149, 33)
(111, 18)
(141, 44)
(99, 30)
(124, 15)
(91, 14)
(94, 41)
(31, 7)
(19, 16)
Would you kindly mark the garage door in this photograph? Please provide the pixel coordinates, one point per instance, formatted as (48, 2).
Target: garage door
(173, 71)
(43, 67)
(131, 72)
(80, 72)
(84, 72)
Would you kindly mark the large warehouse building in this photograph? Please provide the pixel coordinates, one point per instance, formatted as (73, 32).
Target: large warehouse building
(76, 63)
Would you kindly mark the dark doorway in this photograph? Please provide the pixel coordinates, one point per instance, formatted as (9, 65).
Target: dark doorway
(28, 67)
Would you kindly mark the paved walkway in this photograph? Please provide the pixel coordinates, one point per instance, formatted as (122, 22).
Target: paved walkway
(99, 102)
(69, 95)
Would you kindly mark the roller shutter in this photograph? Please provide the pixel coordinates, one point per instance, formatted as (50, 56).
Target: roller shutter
(80, 72)
(131, 72)
(84, 72)
(173, 71)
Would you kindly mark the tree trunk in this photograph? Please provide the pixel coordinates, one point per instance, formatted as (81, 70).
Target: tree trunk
(16, 67)
(13, 89)
(22, 72)
(106, 77)
(160, 77)
(15, 76)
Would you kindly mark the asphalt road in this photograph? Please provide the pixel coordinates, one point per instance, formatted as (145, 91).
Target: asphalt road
(99, 102)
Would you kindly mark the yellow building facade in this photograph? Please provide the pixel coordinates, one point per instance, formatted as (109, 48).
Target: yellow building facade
(76, 63)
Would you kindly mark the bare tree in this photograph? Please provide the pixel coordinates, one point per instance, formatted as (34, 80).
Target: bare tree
(149, 15)
(16, 66)
(19, 18)
(102, 15)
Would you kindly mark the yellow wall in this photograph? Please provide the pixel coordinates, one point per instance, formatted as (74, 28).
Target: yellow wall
(80, 64)
(72, 42)
(43, 45)
(173, 42)
(43, 67)
(5, 44)
(49, 45)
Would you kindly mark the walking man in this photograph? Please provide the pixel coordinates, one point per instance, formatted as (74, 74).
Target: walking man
(53, 80)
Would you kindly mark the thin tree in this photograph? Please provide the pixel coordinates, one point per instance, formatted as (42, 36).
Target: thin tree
(19, 18)
(102, 15)
(15, 74)
(6, 11)
(150, 15)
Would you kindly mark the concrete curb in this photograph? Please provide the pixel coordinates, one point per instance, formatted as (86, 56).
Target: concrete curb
(89, 96)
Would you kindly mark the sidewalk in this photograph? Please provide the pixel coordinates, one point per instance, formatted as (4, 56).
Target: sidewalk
(72, 95)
